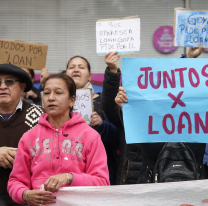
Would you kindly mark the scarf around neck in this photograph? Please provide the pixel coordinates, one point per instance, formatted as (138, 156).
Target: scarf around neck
(89, 86)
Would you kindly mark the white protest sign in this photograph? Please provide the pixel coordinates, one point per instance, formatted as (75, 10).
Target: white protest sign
(122, 35)
(189, 193)
(83, 104)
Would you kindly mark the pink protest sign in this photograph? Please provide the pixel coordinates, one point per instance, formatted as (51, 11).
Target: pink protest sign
(163, 39)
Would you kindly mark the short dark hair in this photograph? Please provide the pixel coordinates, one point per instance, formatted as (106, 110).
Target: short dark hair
(71, 86)
(88, 64)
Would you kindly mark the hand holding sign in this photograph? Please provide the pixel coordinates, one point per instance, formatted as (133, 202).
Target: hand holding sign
(96, 120)
(195, 52)
(121, 97)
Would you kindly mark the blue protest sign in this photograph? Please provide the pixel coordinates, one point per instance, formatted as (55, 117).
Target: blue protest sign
(167, 100)
(191, 28)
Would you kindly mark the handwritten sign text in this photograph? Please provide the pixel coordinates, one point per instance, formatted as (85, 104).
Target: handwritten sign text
(118, 35)
(191, 28)
(83, 104)
(23, 54)
(167, 100)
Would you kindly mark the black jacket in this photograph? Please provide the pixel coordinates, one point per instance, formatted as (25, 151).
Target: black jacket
(36, 100)
(130, 158)
(109, 136)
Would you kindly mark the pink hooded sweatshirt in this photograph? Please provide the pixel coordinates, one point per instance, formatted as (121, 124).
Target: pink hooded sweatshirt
(45, 151)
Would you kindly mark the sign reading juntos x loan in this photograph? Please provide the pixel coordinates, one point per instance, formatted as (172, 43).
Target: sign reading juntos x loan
(167, 100)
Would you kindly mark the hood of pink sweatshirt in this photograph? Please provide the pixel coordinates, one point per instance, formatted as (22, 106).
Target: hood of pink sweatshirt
(76, 118)
(45, 151)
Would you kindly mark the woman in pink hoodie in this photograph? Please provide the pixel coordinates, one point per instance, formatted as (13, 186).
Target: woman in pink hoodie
(62, 150)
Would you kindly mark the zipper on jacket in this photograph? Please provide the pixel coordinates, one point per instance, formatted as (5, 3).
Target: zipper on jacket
(55, 150)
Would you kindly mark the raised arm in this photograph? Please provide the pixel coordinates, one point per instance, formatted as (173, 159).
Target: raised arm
(111, 85)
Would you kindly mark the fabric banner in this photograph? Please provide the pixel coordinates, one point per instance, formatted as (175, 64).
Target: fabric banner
(190, 193)
(167, 100)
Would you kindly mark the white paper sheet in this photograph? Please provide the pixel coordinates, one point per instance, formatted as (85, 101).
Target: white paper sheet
(118, 35)
(83, 104)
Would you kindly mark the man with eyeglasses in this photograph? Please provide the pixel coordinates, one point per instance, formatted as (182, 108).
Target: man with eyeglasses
(16, 118)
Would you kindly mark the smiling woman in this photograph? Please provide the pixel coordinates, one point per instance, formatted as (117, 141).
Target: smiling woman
(62, 150)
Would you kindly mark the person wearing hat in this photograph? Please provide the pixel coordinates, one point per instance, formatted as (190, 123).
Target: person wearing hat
(16, 118)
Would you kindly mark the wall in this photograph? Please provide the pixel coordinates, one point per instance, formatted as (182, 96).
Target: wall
(68, 26)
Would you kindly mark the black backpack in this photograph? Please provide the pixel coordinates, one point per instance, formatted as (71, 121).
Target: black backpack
(175, 162)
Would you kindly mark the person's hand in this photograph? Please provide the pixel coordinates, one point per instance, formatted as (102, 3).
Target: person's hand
(31, 94)
(44, 74)
(194, 52)
(96, 120)
(53, 183)
(121, 97)
(7, 155)
(111, 59)
(12, 152)
(38, 197)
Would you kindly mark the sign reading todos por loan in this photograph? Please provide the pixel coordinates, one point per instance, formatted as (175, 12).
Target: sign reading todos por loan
(122, 35)
(191, 28)
(167, 100)
(23, 54)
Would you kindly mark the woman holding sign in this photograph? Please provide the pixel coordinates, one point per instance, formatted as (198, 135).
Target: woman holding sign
(61, 151)
(132, 169)
(78, 68)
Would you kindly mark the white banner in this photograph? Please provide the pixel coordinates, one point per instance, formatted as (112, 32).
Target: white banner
(189, 193)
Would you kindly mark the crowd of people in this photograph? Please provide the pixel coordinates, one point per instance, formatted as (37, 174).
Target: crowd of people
(42, 150)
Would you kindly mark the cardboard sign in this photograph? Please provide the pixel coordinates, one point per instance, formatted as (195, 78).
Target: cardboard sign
(84, 104)
(167, 100)
(187, 193)
(191, 28)
(122, 35)
(23, 54)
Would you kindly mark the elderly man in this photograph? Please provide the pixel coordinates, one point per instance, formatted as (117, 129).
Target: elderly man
(16, 118)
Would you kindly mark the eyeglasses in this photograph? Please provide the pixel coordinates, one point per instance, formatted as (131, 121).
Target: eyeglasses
(10, 82)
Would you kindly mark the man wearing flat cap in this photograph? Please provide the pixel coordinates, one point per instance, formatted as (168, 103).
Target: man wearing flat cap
(16, 118)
